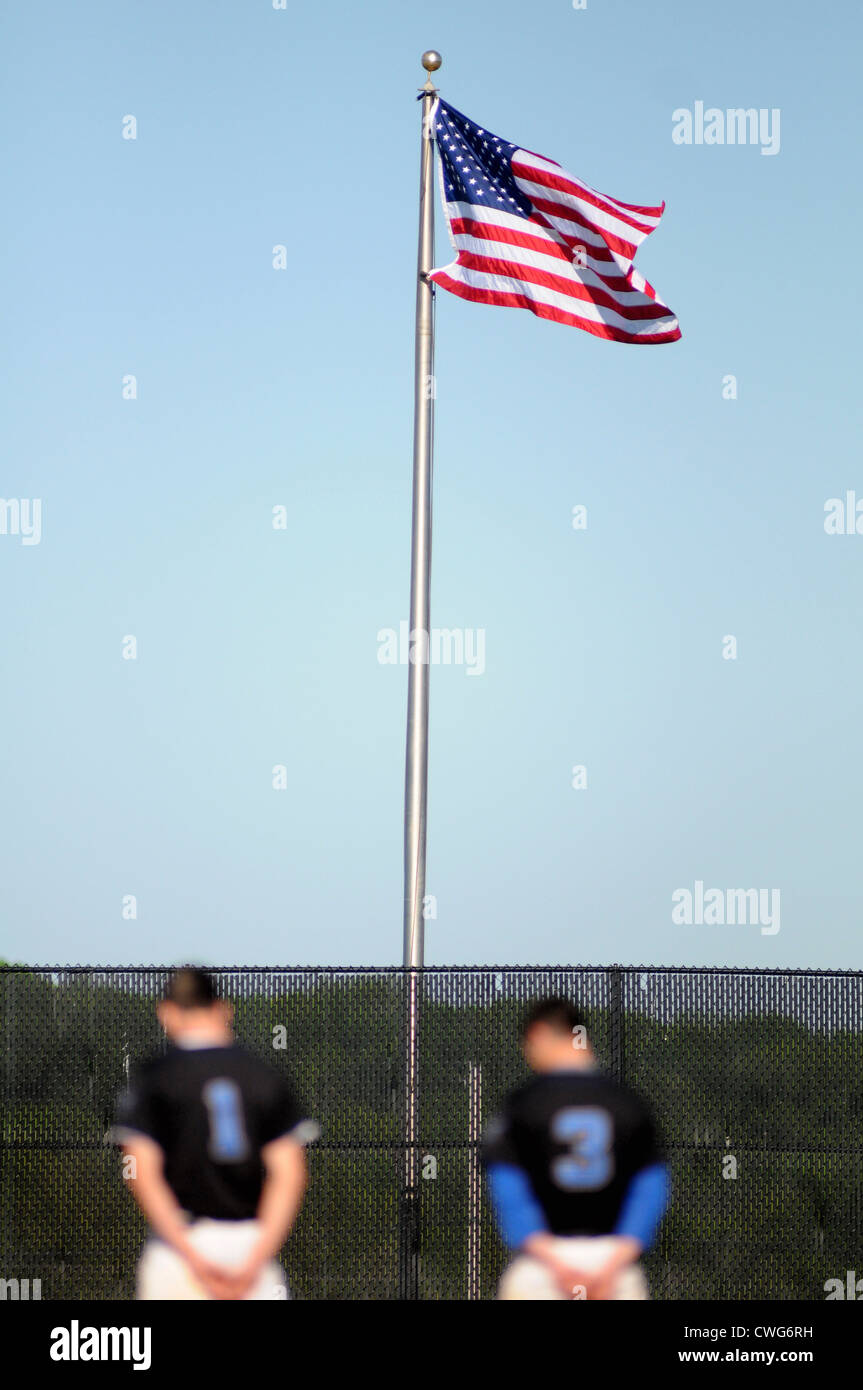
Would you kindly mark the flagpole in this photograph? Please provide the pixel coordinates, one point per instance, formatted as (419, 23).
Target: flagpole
(419, 646)
(416, 758)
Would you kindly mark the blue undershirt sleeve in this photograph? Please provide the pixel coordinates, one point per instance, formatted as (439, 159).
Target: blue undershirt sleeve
(518, 1213)
(644, 1204)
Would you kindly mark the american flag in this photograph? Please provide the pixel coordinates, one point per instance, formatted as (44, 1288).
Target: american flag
(531, 236)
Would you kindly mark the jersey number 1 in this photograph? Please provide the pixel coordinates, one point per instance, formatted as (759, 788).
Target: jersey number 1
(228, 1140)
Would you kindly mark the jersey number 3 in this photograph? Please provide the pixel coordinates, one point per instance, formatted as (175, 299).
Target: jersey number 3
(588, 1134)
(228, 1140)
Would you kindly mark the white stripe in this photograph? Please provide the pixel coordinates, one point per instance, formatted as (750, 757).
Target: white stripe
(492, 214)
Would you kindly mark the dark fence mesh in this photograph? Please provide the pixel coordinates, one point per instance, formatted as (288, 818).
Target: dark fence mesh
(756, 1078)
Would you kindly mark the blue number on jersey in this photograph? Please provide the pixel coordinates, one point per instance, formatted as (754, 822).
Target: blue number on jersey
(588, 1133)
(228, 1139)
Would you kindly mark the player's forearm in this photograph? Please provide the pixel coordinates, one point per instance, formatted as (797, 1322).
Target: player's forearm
(541, 1245)
(626, 1251)
(162, 1210)
(280, 1202)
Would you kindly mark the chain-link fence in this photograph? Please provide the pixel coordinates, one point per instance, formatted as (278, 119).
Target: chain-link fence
(756, 1078)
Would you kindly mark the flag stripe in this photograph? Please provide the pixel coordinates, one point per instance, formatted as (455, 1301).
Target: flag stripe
(567, 285)
(515, 300)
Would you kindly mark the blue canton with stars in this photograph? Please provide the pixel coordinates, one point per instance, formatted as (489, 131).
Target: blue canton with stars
(477, 166)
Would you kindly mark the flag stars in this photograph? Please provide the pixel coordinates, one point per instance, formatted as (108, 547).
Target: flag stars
(476, 164)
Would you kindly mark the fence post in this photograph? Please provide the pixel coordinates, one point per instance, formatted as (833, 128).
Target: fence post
(474, 1180)
(616, 1021)
(409, 1212)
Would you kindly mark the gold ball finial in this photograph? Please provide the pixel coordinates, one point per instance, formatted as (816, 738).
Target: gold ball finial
(431, 60)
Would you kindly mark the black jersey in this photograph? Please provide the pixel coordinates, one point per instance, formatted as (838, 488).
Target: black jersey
(211, 1110)
(580, 1137)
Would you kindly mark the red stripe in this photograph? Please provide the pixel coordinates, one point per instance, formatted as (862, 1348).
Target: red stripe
(492, 231)
(562, 184)
(545, 311)
(493, 265)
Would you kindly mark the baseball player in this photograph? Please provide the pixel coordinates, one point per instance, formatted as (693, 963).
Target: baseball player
(214, 1146)
(574, 1169)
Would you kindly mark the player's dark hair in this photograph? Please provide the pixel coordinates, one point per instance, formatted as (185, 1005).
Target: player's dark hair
(191, 988)
(556, 1012)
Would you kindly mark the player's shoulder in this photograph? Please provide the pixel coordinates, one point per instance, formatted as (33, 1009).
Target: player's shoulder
(581, 1085)
(259, 1070)
(627, 1093)
(233, 1058)
(245, 1057)
(612, 1089)
(522, 1098)
(629, 1104)
(174, 1072)
(148, 1070)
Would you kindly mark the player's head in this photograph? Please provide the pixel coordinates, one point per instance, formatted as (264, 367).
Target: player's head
(191, 1006)
(553, 1036)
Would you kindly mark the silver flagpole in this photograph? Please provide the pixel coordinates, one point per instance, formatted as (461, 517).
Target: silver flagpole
(416, 759)
(419, 640)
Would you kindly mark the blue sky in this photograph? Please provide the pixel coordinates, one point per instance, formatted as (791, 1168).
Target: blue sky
(258, 388)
